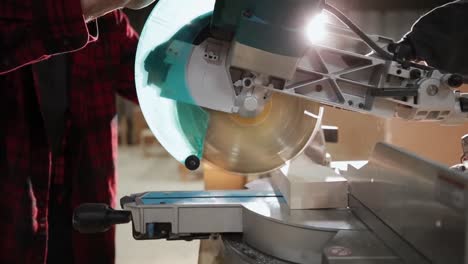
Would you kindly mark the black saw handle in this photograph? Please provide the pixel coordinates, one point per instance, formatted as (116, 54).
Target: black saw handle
(97, 218)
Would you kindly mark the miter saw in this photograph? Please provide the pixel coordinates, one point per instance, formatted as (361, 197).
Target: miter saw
(237, 84)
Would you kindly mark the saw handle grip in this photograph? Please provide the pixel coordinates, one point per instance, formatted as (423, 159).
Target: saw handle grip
(97, 218)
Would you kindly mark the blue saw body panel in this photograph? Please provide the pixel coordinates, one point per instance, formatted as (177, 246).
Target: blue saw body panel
(208, 197)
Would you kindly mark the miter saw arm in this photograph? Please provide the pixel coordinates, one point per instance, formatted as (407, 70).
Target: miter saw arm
(370, 84)
(433, 94)
(256, 49)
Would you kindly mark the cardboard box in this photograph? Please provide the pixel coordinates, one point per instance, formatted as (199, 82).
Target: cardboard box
(359, 133)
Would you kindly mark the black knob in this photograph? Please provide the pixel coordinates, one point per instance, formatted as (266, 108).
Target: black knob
(97, 218)
(455, 81)
(192, 162)
(415, 74)
(392, 47)
(402, 51)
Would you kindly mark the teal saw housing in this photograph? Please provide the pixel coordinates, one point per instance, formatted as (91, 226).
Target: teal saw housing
(275, 26)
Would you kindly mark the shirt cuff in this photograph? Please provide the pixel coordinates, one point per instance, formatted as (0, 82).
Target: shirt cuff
(57, 26)
(63, 26)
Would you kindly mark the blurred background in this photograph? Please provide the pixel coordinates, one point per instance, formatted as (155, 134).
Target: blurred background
(145, 166)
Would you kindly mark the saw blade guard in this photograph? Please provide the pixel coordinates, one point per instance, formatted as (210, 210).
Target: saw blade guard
(171, 98)
(164, 49)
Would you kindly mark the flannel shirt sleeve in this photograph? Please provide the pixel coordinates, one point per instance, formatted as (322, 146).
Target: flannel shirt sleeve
(127, 87)
(121, 40)
(33, 30)
(440, 37)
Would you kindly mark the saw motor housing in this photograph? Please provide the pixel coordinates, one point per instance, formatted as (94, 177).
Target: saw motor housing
(265, 38)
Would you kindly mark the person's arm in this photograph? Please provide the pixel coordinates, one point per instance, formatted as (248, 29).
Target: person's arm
(129, 42)
(33, 30)
(440, 38)
(120, 41)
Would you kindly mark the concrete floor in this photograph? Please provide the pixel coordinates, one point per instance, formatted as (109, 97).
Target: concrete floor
(138, 174)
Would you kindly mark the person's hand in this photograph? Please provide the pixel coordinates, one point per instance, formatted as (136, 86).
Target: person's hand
(439, 38)
(95, 8)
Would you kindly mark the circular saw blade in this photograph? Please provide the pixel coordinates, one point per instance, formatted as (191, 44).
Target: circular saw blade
(228, 141)
(263, 143)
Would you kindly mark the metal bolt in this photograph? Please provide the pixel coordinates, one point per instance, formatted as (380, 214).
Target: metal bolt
(250, 103)
(247, 82)
(361, 105)
(319, 88)
(432, 90)
(351, 103)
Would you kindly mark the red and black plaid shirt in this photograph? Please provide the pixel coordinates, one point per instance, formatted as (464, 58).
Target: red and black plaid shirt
(31, 178)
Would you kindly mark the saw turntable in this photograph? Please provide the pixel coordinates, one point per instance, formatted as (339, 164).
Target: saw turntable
(239, 84)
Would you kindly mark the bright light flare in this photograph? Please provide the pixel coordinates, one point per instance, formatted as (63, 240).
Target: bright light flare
(316, 29)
